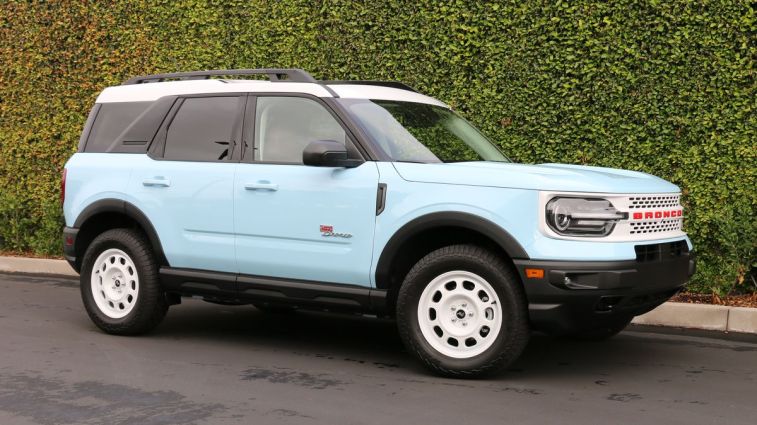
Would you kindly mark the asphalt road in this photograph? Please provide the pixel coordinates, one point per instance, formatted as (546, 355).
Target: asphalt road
(210, 364)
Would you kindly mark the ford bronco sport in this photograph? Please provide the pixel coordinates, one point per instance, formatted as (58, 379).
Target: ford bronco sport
(361, 196)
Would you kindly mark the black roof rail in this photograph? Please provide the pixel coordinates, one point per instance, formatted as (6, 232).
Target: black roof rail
(392, 84)
(274, 74)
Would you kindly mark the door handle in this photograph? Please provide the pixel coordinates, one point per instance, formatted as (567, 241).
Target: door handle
(156, 182)
(261, 185)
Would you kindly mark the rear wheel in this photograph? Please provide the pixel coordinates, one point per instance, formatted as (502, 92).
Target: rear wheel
(461, 310)
(119, 283)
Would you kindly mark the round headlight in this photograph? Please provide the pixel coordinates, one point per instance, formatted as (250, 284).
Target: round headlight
(582, 216)
(561, 218)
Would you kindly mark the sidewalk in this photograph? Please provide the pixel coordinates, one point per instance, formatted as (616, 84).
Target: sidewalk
(679, 315)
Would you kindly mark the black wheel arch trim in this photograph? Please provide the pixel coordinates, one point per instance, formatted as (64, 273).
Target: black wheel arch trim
(445, 219)
(130, 210)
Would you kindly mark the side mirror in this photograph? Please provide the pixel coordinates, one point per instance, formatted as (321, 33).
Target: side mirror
(327, 153)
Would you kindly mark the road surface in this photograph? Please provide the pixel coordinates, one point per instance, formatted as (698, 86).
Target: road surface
(211, 364)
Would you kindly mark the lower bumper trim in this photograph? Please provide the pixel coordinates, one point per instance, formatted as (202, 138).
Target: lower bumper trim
(575, 295)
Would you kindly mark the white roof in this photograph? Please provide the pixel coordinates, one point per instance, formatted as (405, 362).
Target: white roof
(359, 91)
(152, 91)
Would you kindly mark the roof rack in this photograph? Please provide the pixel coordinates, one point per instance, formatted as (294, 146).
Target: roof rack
(274, 74)
(392, 84)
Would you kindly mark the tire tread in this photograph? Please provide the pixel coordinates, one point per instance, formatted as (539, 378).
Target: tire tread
(517, 338)
(152, 304)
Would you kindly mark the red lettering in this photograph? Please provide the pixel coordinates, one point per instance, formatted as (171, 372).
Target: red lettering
(648, 215)
(638, 216)
(666, 214)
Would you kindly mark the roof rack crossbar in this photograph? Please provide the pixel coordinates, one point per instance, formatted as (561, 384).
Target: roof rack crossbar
(274, 74)
(392, 84)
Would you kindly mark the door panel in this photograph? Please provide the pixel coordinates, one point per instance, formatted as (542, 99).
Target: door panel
(280, 233)
(188, 191)
(191, 210)
(296, 221)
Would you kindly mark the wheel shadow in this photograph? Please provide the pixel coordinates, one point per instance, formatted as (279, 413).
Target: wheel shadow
(376, 341)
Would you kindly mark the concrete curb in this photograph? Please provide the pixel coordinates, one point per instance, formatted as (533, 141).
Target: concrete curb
(702, 316)
(36, 266)
(679, 315)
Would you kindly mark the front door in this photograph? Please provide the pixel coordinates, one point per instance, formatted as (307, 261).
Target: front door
(301, 222)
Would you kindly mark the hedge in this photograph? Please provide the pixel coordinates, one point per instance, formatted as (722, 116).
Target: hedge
(664, 87)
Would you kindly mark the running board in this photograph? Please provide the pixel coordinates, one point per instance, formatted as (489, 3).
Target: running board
(250, 288)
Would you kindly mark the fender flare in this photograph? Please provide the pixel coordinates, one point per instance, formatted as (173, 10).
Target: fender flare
(446, 219)
(130, 210)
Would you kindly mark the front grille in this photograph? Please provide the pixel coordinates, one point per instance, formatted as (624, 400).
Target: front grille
(650, 205)
(655, 226)
(641, 202)
(660, 251)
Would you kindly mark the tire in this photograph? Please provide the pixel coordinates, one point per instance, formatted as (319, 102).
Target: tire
(487, 296)
(133, 302)
(604, 332)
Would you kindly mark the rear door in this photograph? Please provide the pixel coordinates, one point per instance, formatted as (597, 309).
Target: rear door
(295, 221)
(185, 186)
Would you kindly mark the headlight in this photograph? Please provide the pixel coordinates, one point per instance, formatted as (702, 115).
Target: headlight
(582, 216)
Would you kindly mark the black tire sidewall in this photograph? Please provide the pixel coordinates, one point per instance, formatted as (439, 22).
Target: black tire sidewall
(135, 247)
(507, 345)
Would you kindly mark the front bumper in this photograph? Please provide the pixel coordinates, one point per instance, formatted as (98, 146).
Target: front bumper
(572, 296)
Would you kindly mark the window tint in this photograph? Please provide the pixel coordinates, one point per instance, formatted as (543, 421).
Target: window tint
(112, 119)
(201, 130)
(285, 125)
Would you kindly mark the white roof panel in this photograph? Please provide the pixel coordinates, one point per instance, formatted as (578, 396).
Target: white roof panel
(152, 91)
(356, 91)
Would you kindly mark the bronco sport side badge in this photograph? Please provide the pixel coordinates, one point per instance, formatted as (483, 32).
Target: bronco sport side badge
(328, 231)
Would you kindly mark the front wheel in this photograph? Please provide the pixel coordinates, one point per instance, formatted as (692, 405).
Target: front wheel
(119, 283)
(462, 311)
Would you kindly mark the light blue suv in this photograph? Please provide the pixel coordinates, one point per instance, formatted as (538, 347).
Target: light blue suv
(286, 192)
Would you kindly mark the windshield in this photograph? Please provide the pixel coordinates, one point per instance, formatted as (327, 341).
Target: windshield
(418, 132)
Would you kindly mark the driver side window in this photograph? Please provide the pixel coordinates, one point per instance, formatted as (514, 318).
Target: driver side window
(285, 125)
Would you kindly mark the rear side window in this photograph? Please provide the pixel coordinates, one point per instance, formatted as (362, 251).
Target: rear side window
(111, 120)
(202, 129)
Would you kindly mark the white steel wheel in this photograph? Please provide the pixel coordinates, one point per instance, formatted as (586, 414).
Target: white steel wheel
(114, 283)
(460, 314)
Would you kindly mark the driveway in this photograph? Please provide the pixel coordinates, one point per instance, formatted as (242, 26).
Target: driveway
(211, 364)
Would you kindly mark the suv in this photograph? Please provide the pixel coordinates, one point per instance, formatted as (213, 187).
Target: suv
(359, 196)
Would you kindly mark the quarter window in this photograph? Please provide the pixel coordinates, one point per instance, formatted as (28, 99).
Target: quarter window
(202, 129)
(285, 125)
(112, 119)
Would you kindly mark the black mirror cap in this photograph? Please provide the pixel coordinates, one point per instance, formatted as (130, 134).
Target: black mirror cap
(328, 153)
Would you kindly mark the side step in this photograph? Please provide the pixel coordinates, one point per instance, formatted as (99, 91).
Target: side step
(248, 288)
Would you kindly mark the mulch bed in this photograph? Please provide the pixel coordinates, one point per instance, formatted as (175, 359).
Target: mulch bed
(747, 300)
(28, 255)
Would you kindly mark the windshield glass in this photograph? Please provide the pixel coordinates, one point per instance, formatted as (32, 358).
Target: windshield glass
(418, 132)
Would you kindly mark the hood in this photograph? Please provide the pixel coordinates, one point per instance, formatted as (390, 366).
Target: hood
(551, 177)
